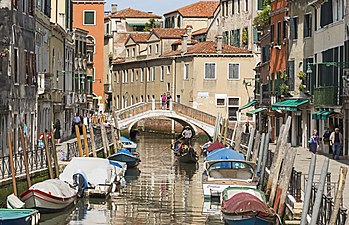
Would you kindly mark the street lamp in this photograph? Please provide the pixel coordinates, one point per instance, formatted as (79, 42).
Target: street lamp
(342, 65)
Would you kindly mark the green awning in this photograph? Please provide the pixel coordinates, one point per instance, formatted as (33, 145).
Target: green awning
(289, 104)
(248, 104)
(321, 114)
(136, 24)
(252, 112)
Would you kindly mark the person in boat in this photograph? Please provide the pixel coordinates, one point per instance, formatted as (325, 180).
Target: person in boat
(133, 134)
(187, 135)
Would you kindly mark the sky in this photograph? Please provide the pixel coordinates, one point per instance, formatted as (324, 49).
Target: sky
(156, 6)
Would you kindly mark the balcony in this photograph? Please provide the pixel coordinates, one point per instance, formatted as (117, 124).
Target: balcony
(107, 88)
(326, 96)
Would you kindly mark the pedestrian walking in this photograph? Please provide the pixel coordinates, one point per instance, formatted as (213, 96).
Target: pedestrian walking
(85, 121)
(163, 101)
(57, 132)
(326, 140)
(248, 127)
(336, 140)
(314, 142)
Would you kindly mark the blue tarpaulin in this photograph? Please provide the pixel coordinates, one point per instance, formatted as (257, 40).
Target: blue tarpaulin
(224, 153)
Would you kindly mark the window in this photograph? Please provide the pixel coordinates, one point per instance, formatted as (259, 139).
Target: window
(290, 74)
(89, 17)
(186, 71)
(220, 100)
(225, 37)
(271, 33)
(31, 7)
(107, 28)
(210, 71)
(15, 66)
(232, 8)
(238, 6)
(157, 48)
(279, 32)
(307, 25)
(149, 49)
(294, 28)
(118, 77)
(326, 14)
(27, 67)
(260, 4)
(246, 5)
(236, 38)
(127, 53)
(126, 76)
(133, 52)
(233, 108)
(148, 74)
(168, 70)
(284, 29)
(234, 71)
(162, 73)
(153, 77)
(132, 76)
(168, 87)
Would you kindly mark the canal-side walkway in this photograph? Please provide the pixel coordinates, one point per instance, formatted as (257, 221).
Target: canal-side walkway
(302, 162)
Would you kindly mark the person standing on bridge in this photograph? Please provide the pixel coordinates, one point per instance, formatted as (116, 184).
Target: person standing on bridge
(168, 100)
(163, 101)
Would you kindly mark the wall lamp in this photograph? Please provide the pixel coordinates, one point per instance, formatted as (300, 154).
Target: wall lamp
(342, 65)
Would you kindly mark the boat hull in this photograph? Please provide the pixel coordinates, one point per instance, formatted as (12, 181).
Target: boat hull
(188, 158)
(248, 220)
(45, 202)
(130, 161)
(215, 190)
(19, 217)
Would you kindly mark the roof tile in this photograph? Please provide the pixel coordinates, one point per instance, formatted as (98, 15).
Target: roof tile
(169, 32)
(198, 9)
(132, 13)
(140, 37)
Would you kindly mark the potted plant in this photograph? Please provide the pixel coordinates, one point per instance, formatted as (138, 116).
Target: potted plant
(283, 88)
(302, 87)
(302, 75)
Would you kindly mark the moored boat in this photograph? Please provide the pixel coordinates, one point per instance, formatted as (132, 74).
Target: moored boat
(224, 153)
(19, 216)
(246, 206)
(132, 160)
(49, 195)
(211, 146)
(100, 175)
(128, 144)
(220, 174)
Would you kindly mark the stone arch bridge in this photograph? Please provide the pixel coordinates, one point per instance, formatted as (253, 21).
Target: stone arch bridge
(185, 115)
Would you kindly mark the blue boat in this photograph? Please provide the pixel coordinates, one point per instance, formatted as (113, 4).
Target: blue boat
(246, 206)
(126, 156)
(224, 153)
(128, 144)
(19, 216)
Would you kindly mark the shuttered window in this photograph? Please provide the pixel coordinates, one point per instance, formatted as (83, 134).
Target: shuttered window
(294, 28)
(234, 71)
(290, 74)
(210, 71)
(307, 25)
(326, 16)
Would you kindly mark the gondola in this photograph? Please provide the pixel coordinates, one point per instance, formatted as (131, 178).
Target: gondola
(188, 155)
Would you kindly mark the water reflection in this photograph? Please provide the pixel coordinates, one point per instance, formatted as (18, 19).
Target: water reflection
(161, 190)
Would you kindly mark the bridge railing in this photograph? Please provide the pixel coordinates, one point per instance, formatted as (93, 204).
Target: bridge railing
(157, 105)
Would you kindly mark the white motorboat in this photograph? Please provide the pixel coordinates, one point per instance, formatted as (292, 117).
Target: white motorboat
(220, 174)
(49, 196)
(98, 173)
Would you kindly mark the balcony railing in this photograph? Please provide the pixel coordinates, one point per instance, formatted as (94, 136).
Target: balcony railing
(326, 96)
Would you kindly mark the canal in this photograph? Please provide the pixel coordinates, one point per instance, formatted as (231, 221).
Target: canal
(160, 191)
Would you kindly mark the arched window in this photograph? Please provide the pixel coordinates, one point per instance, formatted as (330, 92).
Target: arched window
(91, 44)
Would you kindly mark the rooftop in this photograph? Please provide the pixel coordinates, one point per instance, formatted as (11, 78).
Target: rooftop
(169, 32)
(200, 31)
(199, 9)
(139, 37)
(132, 13)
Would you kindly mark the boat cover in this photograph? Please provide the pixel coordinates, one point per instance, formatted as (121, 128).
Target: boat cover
(224, 153)
(97, 170)
(123, 139)
(123, 152)
(215, 145)
(54, 187)
(244, 202)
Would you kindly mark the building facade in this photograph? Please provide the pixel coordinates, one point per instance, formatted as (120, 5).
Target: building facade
(18, 78)
(89, 16)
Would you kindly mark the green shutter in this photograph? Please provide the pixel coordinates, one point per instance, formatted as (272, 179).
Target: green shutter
(255, 35)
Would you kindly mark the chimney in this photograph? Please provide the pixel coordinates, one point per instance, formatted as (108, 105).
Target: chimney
(219, 42)
(188, 31)
(184, 42)
(114, 8)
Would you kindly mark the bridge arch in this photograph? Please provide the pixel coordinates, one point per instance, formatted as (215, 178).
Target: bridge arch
(194, 118)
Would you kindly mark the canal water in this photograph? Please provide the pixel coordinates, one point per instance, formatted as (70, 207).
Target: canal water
(160, 191)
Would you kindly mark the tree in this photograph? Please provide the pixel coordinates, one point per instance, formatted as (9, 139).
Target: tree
(150, 25)
(263, 18)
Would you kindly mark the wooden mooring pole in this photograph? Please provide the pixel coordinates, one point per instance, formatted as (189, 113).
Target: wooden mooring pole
(105, 141)
(239, 131)
(308, 188)
(87, 152)
(12, 165)
(226, 124)
(93, 143)
(54, 154)
(319, 193)
(113, 136)
(25, 156)
(48, 157)
(78, 137)
(256, 147)
(339, 195)
(250, 144)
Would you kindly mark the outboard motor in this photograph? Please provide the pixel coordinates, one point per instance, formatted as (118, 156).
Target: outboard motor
(80, 183)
